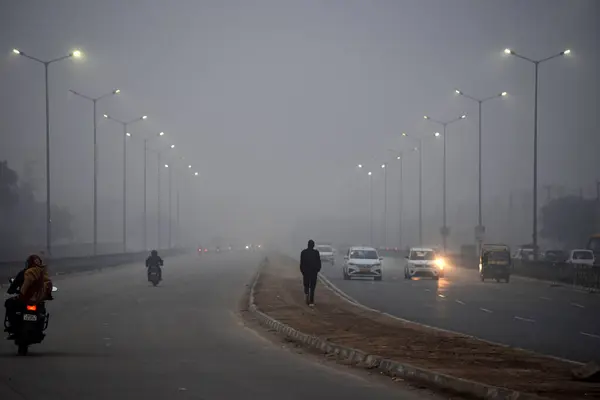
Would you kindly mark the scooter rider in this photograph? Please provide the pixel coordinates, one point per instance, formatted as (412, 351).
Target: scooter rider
(32, 286)
(154, 261)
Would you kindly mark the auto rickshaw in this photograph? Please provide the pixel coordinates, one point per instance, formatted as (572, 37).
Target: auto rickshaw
(495, 262)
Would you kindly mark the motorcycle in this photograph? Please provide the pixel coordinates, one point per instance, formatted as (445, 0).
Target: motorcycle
(31, 322)
(153, 275)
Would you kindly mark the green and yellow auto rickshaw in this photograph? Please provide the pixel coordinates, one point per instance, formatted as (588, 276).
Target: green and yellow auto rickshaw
(495, 262)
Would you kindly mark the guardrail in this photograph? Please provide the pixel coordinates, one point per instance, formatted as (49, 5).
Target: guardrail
(59, 266)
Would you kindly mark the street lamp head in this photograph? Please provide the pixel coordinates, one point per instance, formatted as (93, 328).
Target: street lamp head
(161, 134)
(359, 165)
(508, 51)
(437, 134)
(116, 91)
(382, 165)
(166, 165)
(463, 116)
(404, 134)
(567, 51)
(196, 174)
(128, 134)
(16, 51)
(144, 117)
(105, 115)
(76, 54)
(504, 94)
(399, 158)
(370, 173)
(189, 166)
(457, 91)
(425, 116)
(172, 146)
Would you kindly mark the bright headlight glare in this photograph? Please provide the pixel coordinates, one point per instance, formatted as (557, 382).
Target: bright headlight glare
(440, 263)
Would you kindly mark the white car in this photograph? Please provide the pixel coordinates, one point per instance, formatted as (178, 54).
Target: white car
(362, 262)
(581, 257)
(423, 262)
(326, 252)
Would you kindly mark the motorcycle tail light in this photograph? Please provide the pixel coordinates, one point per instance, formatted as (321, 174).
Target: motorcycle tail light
(32, 308)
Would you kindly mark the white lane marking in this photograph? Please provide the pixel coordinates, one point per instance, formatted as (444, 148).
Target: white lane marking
(577, 305)
(460, 302)
(486, 310)
(524, 319)
(590, 335)
(546, 298)
(442, 296)
(428, 290)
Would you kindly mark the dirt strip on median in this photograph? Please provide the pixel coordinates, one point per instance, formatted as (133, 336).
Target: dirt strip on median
(278, 293)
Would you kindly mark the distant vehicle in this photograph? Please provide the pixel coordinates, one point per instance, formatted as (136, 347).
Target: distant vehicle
(327, 253)
(495, 262)
(424, 262)
(557, 256)
(362, 262)
(581, 257)
(523, 254)
(594, 245)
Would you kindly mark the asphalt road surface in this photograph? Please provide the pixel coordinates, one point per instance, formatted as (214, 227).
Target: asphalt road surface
(529, 314)
(114, 336)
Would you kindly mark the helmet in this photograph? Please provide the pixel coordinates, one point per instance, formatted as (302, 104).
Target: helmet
(34, 261)
(154, 253)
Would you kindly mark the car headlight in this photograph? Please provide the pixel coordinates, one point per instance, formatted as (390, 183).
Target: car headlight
(441, 263)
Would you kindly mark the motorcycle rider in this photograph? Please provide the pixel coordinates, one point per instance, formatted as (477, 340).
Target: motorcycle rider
(154, 261)
(32, 285)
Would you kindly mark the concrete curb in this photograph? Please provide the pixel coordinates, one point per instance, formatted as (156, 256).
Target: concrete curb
(386, 366)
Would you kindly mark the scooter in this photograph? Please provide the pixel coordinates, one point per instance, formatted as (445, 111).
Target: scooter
(153, 276)
(31, 322)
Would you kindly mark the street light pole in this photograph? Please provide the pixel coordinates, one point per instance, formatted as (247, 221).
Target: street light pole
(383, 166)
(445, 231)
(420, 150)
(170, 206)
(480, 229)
(145, 224)
(159, 153)
(371, 206)
(94, 101)
(536, 63)
(400, 158)
(125, 135)
(74, 54)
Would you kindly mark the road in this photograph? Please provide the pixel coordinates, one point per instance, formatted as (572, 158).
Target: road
(524, 313)
(113, 336)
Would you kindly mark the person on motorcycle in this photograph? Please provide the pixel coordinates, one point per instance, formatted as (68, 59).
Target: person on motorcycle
(154, 261)
(32, 285)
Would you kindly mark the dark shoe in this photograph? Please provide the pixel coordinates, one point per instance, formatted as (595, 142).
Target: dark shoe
(11, 337)
(306, 299)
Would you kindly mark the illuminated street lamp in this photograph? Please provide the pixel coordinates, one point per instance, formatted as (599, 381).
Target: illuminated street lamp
(536, 63)
(46, 64)
(94, 101)
(480, 230)
(125, 135)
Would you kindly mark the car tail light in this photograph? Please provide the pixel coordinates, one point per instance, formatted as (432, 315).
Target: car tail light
(32, 308)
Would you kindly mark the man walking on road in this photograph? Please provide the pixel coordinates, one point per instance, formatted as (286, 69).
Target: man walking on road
(310, 266)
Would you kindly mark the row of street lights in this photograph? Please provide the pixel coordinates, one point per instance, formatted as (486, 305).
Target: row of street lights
(480, 229)
(126, 134)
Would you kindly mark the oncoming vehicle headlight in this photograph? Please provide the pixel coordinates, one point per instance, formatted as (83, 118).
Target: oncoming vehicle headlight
(441, 263)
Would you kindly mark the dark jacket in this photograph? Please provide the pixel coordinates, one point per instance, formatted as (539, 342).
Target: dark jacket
(310, 262)
(154, 261)
(17, 283)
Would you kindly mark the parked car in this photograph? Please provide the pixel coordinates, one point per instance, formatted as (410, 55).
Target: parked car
(557, 256)
(362, 262)
(581, 257)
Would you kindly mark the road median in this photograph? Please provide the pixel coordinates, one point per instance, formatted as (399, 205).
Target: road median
(407, 350)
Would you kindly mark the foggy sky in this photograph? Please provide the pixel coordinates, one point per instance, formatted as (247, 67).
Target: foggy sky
(274, 102)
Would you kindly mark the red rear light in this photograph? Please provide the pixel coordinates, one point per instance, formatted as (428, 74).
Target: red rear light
(32, 308)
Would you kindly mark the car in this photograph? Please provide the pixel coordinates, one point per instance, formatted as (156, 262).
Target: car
(326, 252)
(556, 256)
(581, 257)
(362, 262)
(423, 262)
